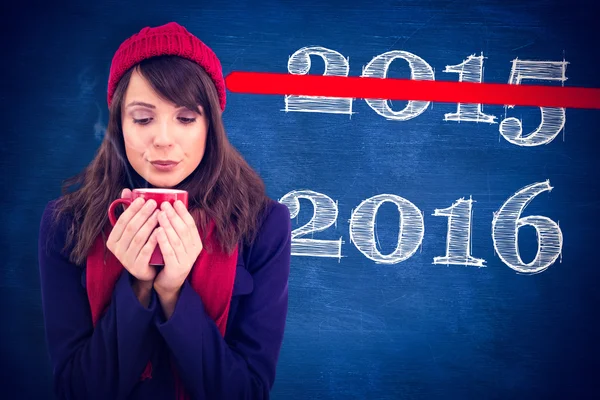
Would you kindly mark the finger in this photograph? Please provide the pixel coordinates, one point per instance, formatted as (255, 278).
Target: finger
(123, 220)
(189, 220)
(143, 234)
(178, 224)
(125, 194)
(184, 214)
(135, 222)
(172, 236)
(146, 251)
(165, 247)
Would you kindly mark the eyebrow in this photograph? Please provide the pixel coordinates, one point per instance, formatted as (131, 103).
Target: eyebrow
(139, 103)
(147, 105)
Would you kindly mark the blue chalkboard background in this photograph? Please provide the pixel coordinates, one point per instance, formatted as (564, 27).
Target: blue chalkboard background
(356, 329)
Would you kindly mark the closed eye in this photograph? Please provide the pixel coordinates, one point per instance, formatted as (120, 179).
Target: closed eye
(142, 121)
(187, 120)
(146, 121)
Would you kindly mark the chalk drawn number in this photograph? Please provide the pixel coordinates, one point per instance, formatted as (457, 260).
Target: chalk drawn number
(335, 65)
(458, 238)
(324, 215)
(470, 70)
(553, 119)
(410, 232)
(419, 70)
(505, 231)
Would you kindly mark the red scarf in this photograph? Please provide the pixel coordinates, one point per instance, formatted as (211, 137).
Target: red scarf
(212, 277)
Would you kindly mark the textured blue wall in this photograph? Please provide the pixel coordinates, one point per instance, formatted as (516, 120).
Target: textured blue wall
(357, 328)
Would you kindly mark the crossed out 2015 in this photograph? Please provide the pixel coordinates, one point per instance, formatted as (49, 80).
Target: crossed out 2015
(470, 70)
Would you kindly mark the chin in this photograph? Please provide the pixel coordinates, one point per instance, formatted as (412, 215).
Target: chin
(164, 182)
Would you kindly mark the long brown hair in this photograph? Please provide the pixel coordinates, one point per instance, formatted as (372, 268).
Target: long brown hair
(223, 187)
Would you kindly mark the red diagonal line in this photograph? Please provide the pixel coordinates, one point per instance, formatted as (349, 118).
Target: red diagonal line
(408, 89)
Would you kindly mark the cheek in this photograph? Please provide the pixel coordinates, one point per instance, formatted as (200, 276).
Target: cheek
(196, 147)
(134, 143)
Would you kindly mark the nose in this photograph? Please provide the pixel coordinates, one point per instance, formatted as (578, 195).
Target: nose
(163, 136)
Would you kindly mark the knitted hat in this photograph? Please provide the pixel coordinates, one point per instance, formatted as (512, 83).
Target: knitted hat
(169, 39)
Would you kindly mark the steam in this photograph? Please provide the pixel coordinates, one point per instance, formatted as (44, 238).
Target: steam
(99, 127)
(86, 84)
(127, 167)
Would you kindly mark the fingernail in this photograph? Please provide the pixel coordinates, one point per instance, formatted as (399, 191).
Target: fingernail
(151, 203)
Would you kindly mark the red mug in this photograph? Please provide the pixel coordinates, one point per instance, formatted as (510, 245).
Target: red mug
(160, 196)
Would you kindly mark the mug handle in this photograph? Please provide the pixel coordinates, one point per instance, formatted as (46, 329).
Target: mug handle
(111, 209)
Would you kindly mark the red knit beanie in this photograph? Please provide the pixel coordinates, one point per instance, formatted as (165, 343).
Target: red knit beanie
(169, 39)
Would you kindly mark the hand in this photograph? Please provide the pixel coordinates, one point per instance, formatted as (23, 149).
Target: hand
(180, 245)
(132, 240)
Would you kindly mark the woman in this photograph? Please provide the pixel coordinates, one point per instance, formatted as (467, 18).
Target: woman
(210, 323)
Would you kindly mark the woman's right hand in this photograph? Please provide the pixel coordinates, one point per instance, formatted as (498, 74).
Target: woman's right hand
(132, 240)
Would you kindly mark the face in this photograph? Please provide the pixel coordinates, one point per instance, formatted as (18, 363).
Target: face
(164, 143)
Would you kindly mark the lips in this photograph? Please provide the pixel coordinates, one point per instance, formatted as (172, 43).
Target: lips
(164, 165)
(164, 162)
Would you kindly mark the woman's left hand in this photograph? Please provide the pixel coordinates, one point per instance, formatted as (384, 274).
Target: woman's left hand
(180, 245)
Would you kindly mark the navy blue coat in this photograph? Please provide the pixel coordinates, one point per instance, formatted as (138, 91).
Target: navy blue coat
(106, 362)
